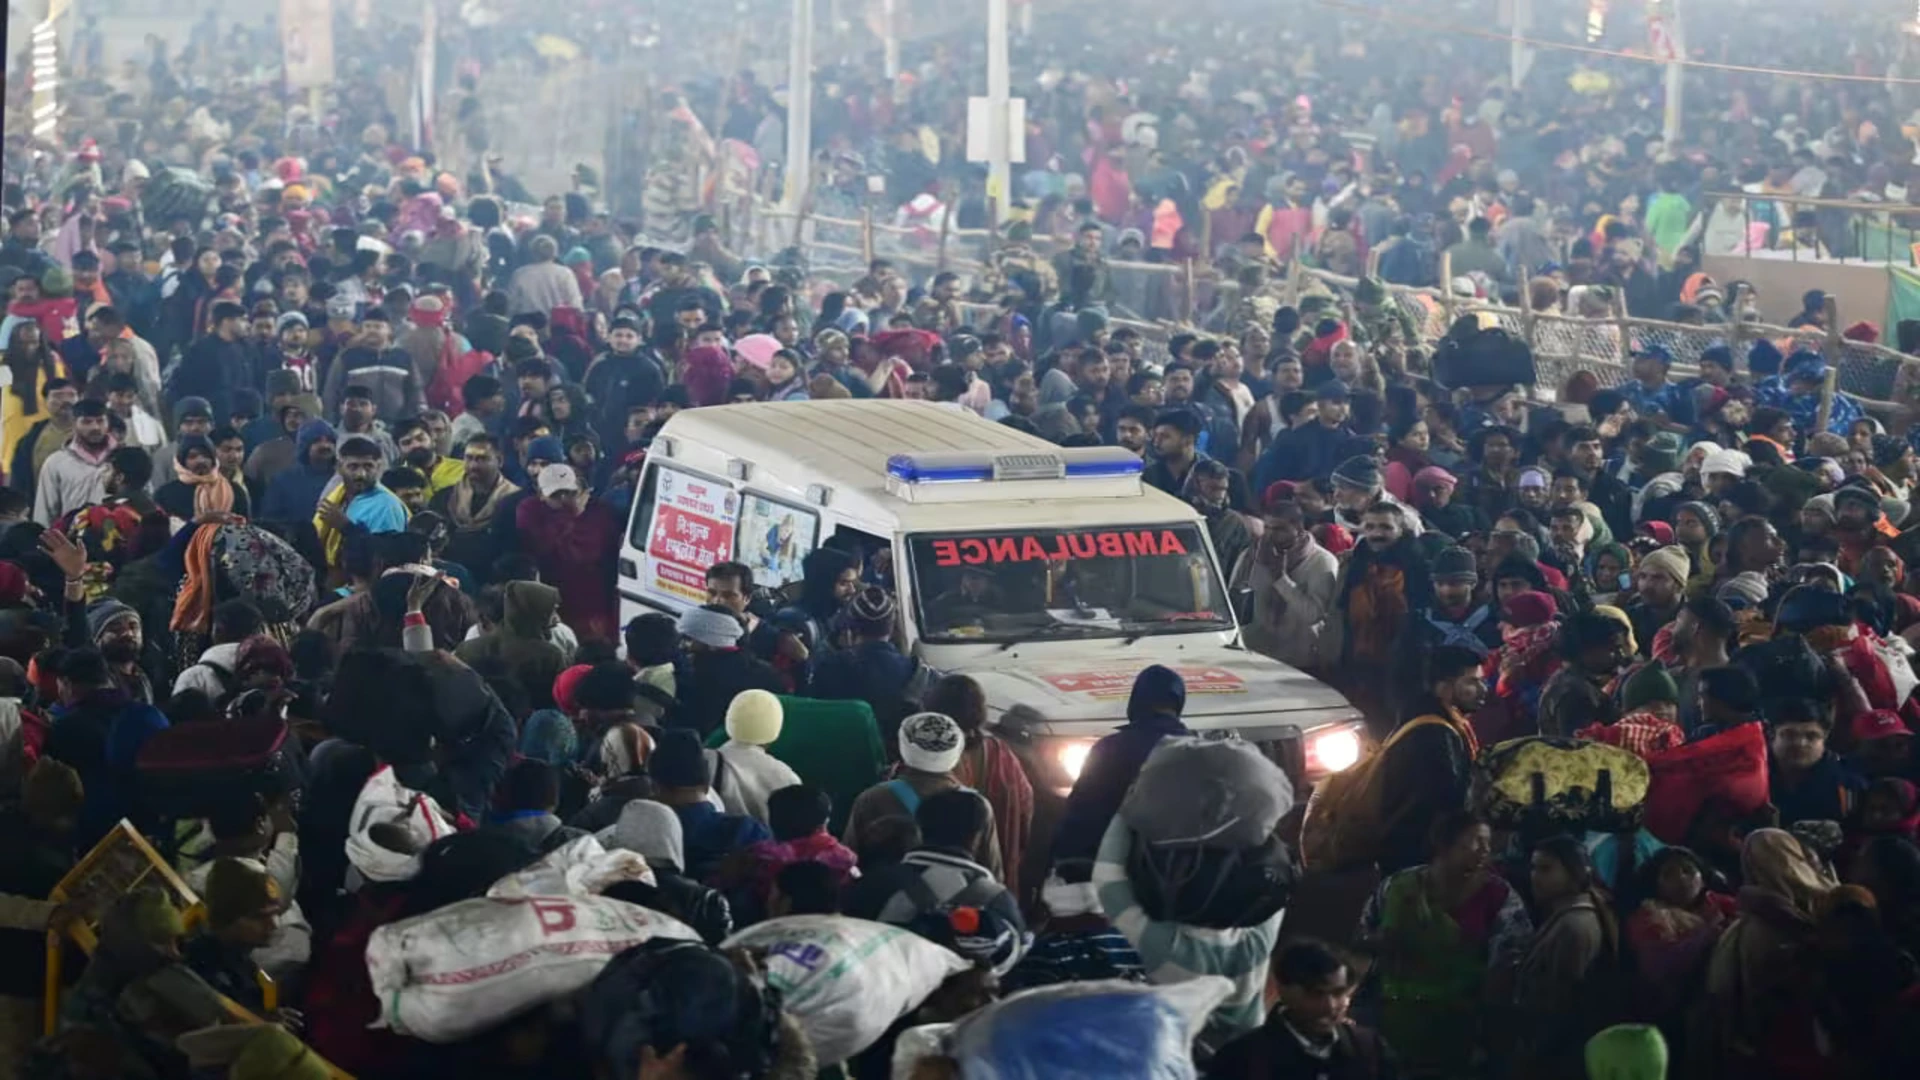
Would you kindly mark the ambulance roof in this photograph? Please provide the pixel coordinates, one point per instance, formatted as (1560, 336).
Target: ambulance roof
(845, 446)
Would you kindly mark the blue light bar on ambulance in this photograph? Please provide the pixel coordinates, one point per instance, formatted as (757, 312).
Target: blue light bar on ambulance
(1076, 463)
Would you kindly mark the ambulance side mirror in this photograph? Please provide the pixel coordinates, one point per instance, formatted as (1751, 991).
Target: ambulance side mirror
(1242, 600)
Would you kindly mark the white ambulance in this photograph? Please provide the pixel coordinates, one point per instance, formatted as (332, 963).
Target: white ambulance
(1049, 575)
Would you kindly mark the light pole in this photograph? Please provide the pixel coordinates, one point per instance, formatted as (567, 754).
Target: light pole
(1519, 53)
(799, 108)
(1668, 35)
(999, 94)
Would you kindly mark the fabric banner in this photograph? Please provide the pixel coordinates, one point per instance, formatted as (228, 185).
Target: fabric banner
(306, 42)
(1903, 295)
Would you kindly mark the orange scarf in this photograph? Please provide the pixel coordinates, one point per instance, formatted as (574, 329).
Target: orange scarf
(194, 608)
(211, 493)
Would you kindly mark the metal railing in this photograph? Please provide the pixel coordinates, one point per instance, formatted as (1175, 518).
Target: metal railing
(1884, 380)
(1762, 226)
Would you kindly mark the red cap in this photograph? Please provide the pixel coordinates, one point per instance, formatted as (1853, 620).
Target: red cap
(566, 683)
(1659, 530)
(1879, 724)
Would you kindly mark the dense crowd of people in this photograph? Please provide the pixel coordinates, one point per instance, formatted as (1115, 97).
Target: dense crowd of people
(319, 460)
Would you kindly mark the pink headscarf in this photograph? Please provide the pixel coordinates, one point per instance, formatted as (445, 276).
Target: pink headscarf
(706, 372)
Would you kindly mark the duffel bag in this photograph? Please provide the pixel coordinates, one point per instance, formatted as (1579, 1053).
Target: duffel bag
(1218, 888)
(1549, 784)
(1730, 767)
(193, 770)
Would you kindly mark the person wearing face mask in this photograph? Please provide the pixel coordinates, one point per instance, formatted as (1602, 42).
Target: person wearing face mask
(414, 439)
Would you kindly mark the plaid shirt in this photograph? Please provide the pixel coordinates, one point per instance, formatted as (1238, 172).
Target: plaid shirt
(1643, 733)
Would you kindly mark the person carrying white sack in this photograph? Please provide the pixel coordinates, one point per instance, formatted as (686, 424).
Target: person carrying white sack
(746, 773)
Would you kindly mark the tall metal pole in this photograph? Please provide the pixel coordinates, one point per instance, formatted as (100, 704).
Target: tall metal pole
(799, 107)
(1676, 75)
(891, 37)
(999, 93)
(1519, 53)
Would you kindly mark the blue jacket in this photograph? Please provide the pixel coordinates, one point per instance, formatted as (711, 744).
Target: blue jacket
(873, 671)
(100, 737)
(293, 493)
(1827, 793)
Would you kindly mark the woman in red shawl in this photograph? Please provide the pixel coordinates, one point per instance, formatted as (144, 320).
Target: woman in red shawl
(573, 540)
(989, 766)
(1526, 659)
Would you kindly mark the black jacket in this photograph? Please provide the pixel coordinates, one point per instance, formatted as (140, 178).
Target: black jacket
(213, 369)
(1425, 775)
(704, 909)
(617, 383)
(1273, 1052)
(710, 683)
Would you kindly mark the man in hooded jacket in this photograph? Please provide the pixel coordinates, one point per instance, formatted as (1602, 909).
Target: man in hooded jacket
(1153, 713)
(292, 493)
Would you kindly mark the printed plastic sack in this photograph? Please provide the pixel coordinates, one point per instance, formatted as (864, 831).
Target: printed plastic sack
(1105, 1028)
(847, 980)
(1564, 785)
(455, 972)
(384, 800)
(1730, 767)
(580, 868)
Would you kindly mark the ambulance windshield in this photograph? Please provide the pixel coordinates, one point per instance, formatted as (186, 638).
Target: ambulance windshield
(1029, 584)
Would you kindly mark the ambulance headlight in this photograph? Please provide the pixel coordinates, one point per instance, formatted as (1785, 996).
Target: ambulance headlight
(1333, 750)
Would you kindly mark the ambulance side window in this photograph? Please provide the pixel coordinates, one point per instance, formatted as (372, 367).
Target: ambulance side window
(874, 553)
(643, 506)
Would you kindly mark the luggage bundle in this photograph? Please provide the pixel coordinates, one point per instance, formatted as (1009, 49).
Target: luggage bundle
(1204, 812)
(1543, 784)
(846, 980)
(194, 770)
(1471, 356)
(173, 194)
(1729, 768)
(453, 973)
(1105, 1028)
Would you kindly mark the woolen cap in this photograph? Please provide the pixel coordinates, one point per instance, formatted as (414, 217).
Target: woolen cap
(714, 629)
(931, 742)
(755, 717)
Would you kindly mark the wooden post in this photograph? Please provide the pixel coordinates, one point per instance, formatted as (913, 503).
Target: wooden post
(1738, 336)
(946, 226)
(1293, 284)
(800, 215)
(866, 234)
(1188, 287)
(1446, 286)
(1624, 352)
(1527, 317)
(1206, 235)
(1826, 400)
(1830, 311)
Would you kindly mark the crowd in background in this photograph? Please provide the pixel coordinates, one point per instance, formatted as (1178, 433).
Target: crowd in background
(302, 432)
